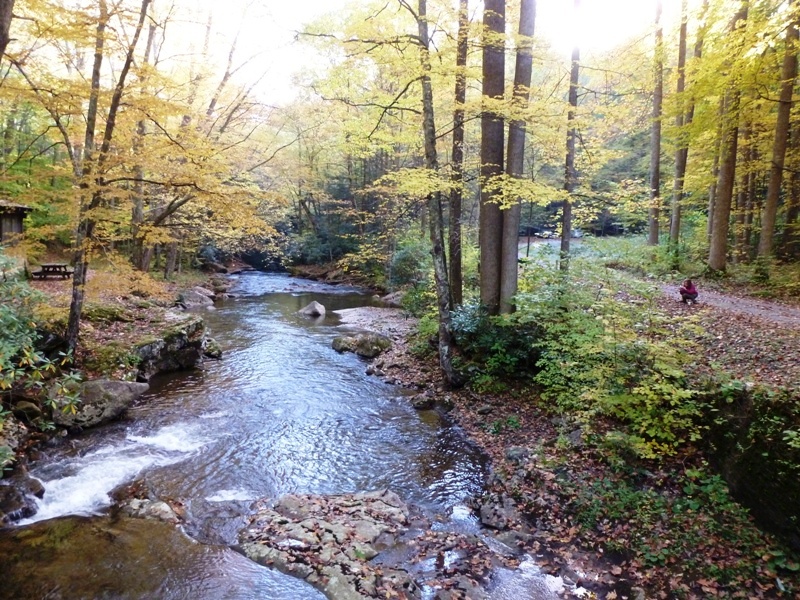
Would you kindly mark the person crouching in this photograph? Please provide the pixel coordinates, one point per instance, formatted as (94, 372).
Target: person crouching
(688, 292)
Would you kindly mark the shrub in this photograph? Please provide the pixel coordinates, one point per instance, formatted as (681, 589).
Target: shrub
(494, 347)
(411, 262)
(605, 350)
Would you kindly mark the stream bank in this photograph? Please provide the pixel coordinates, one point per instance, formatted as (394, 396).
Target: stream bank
(601, 516)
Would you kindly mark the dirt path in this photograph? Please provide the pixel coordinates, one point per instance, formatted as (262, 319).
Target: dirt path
(750, 338)
(767, 310)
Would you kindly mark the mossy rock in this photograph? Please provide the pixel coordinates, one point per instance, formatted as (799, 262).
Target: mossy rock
(106, 313)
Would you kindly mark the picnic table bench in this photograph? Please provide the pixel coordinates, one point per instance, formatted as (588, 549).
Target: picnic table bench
(53, 270)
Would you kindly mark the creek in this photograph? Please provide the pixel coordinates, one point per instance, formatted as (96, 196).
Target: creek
(280, 413)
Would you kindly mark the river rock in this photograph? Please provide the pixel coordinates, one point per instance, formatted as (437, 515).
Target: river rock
(314, 309)
(101, 400)
(15, 504)
(367, 345)
(424, 401)
(329, 541)
(194, 299)
(500, 515)
(179, 346)
(211, 348)
(157, 510)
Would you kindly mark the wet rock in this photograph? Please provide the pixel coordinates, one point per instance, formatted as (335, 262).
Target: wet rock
(366, 345)
(514, 540)
(17, 494)
(314, 309)
(157, 510)
(211, 349)
(374, 370)
(423, 401)
(15, 504)
(329, 541)
(101, 401)
(194, 299)
(499, 515)
(180, 346)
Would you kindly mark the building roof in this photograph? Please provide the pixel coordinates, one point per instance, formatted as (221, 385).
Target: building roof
(6, 206)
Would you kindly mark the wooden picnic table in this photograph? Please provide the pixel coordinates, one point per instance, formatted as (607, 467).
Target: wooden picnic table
(53, 270)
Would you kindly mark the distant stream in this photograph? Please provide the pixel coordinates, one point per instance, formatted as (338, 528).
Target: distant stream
(280, 413)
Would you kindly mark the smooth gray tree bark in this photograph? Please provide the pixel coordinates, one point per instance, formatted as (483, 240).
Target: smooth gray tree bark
(515, 156)
(782, 125)
(492, 150)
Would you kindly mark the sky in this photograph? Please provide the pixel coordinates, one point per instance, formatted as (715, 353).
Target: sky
(271, 25)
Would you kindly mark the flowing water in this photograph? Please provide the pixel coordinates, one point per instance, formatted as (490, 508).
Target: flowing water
(281, 413)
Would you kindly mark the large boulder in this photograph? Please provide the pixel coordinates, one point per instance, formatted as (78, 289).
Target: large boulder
(101, 401)
(180, 346)
(367, 345)
(196, 299)
(314, 309)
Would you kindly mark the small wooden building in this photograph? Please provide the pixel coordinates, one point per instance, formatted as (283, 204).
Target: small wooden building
(11, 217)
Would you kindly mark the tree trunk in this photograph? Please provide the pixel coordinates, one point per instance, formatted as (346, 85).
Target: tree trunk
(655, 134)
(6, 12)
(435, 220)
(570, 175)
(171, 260)
(790, 241)
(682, 121)
(718, 249)
(456, 192)
(515, 157)
(140, 255)
(788, 75)
(492, 142)
(742, 200)
(93, 168)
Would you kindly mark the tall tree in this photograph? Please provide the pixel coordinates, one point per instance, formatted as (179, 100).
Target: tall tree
(434, 201)
(718, 249)
(570, 173)
(456, 192)
(655, 132)
(92, 183)
(782, 125)
(6, 14)
(682, 121)
(492, 149)
(516, 154)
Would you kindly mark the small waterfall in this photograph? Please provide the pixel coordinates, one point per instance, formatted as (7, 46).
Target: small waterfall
(79, 485)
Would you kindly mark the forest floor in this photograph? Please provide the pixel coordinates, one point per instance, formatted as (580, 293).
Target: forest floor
(757, 340)
(752, 339)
